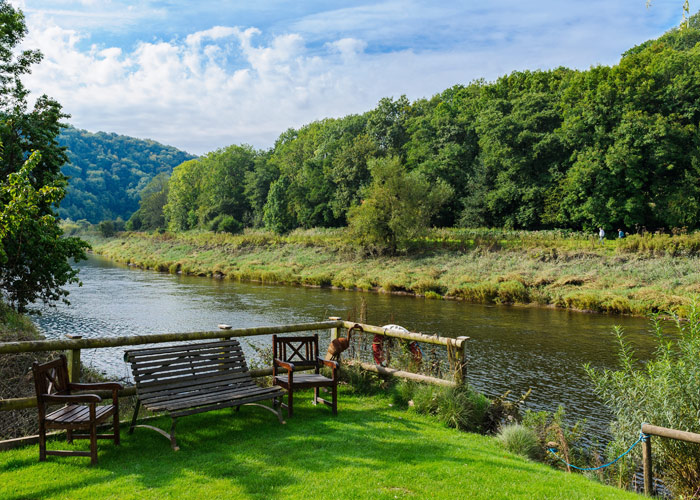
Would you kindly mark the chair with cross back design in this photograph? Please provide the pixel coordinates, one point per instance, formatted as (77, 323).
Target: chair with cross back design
(295, 355)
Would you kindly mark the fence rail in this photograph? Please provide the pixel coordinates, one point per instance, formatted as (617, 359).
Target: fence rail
(653, 430)
(74, 345)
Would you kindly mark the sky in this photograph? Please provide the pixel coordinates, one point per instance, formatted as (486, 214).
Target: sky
(201, 75)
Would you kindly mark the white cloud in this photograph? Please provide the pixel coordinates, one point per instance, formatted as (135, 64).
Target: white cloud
(227, 84)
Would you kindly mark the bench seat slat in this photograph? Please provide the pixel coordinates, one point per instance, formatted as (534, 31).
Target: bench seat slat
(197, 399)
(184, 382)
(167, 393)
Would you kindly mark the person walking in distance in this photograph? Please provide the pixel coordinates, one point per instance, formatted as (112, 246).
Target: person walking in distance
(601, 235)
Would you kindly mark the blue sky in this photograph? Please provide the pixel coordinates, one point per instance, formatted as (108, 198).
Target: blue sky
(200, 75)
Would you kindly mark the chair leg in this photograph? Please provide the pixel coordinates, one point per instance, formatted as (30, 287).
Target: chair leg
(42, 441)
(173, 443)
(136, 413)
(290, 402)
(93, 442)
(334, 393)
(315, 395)
(116, 427)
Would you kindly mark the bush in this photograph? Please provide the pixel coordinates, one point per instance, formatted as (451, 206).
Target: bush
(664, 391)
(520, 440)
(460, 407)
(550, 428)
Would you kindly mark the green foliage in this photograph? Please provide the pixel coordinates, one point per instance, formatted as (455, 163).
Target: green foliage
(108, 173)
(276, 216)
(397, 207)
(664, 391)
(33, 255)
(460, 407)
(568, 439)
(520, 440)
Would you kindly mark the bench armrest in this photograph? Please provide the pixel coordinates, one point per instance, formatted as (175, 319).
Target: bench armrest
(71, 398)
(287, 366)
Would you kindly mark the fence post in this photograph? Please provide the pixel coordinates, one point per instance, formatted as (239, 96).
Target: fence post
(73, 357)
(646, 460)
(335, 332)
(461, 372)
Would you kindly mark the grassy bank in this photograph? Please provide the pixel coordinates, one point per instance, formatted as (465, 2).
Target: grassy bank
(370, 450)
(636, 275)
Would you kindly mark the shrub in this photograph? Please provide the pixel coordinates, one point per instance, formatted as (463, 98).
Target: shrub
(520, 440)
(551, 428)
(664, 391)
(511, 292)
(460, 407)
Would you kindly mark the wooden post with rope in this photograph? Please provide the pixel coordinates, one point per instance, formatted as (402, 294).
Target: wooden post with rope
(335, 332)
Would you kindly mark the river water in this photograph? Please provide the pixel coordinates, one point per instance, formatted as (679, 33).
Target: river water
(511, 348)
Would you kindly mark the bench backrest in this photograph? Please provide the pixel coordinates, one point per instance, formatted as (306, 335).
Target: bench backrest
(185, 367)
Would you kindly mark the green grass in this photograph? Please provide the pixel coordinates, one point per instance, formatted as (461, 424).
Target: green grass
(637, 275)
(371, 450)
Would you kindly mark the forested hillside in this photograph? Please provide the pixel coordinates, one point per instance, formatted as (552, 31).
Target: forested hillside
(616, 147)
(107, 172)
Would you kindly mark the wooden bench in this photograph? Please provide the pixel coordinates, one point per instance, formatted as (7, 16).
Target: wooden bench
(194, 378)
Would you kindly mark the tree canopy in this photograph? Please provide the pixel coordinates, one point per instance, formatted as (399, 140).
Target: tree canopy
(617, 147)
(34, 258)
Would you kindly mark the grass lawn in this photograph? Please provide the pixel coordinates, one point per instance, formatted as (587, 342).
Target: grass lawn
(371, 450)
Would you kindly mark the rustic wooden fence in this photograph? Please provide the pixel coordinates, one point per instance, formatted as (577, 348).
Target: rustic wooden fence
(73, 345)
(653, 430)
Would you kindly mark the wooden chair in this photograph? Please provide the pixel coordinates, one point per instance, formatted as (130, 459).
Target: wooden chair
(301, 353)
(53, 387)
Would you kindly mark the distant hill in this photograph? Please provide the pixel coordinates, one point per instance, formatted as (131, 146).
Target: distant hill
(108, 171)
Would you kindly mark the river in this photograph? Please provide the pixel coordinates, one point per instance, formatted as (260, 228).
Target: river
(511, 348)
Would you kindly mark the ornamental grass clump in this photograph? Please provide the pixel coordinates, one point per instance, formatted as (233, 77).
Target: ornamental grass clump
(664, 391)
(520, 440)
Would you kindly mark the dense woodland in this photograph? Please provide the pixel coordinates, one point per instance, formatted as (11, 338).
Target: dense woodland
(107, 172)
(611, 146)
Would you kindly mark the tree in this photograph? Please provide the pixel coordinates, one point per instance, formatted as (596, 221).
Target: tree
(34, 257)
(396, 209)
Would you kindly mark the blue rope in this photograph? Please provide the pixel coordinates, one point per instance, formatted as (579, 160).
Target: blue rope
(642, 437)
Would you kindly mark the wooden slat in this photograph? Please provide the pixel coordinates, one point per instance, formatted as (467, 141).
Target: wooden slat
(211, 397)
(176, 394)
(171, 370)
(184, 382)
(136, 354)
(192, 359)
(155, 359)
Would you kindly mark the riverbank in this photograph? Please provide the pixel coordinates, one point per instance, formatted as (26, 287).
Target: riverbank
(636, 275)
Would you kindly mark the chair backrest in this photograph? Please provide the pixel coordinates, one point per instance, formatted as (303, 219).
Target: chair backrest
(51, 378)
(301, 351)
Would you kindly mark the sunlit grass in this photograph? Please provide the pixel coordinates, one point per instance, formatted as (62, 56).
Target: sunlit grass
(371, 450)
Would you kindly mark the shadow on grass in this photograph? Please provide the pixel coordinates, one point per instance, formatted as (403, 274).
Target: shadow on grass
(250, 453)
